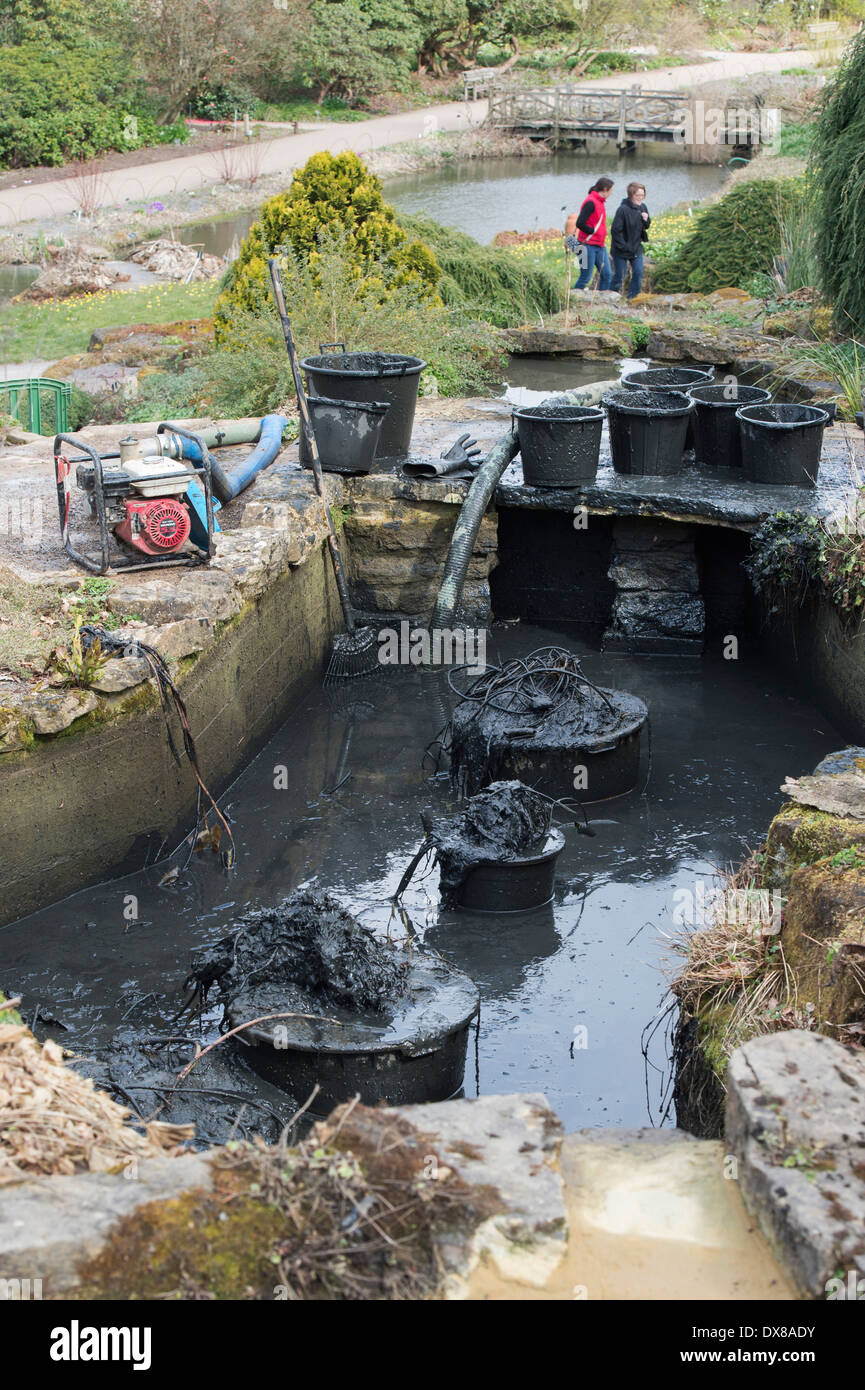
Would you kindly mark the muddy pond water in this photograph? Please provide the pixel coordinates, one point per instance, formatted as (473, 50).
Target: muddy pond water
(723, 735)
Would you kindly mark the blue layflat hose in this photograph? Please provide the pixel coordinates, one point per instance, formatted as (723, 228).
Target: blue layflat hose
(228, 482)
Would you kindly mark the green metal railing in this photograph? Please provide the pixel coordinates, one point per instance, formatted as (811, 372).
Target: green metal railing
(59, 393)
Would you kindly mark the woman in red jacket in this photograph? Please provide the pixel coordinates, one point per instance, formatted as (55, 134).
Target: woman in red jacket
(592, 236)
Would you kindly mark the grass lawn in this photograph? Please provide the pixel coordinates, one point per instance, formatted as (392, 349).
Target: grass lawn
(55, 329)
(36, 618)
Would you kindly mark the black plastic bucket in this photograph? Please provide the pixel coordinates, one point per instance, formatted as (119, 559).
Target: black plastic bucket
(513, 885)
(559, 443)
(647, 430)
(781, 444)
(346, 432)
(716, 429)
(372, 377)
(670, 379)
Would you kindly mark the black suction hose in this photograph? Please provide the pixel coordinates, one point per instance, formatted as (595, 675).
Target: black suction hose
(479, 496)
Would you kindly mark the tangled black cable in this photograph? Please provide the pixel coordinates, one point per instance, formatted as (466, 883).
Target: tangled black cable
(530, 684)
(169, 697)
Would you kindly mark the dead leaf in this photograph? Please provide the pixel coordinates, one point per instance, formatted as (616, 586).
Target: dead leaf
(171, 877)
(211, 835)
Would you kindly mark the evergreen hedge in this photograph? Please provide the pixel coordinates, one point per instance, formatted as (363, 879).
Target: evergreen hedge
(733, 239)
(838, 177)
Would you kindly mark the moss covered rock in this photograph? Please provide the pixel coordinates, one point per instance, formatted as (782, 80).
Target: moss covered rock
(800, 835)
(824, 936)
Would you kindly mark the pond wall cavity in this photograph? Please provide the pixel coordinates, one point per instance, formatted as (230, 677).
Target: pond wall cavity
(107, 799)
(810, 643)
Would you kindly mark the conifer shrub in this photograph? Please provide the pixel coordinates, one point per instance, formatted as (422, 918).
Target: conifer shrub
(331, 194)
(490, 282)
(838, 178)
(733, 239)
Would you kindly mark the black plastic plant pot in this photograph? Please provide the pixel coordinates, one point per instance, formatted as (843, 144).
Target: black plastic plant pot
(513, 885)
(412, 1054)
(716, 429)
(648, 431)
(372, 377)
(670, 379)
(346, 432)
(548, 761)
(781, 444)
(560, 444)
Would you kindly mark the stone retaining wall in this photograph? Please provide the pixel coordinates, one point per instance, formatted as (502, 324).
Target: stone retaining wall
(105, 796)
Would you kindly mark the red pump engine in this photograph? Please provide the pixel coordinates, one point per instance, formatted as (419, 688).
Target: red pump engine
(154, 525)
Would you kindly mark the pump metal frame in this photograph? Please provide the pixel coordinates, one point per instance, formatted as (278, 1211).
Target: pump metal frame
(62, 471)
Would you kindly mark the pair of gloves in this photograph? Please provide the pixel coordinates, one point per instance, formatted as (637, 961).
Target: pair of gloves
(461, 460)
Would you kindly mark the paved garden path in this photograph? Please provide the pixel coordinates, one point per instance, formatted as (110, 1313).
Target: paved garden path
(149, 182)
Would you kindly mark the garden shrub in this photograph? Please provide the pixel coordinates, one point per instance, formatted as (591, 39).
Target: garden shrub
(734, 238)
(249, 372)
(838, 168)
(66, 104)
(329, 195)
(490, 282)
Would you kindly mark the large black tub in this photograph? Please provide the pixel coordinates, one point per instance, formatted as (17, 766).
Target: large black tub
(540, 721)
(412, 1053)
(667, 378)
(716, 430)
(648, 430)
(781, 444)
(346, 433)
(559, 443)
(520, 884)
(321, 1000)
(372, 376)
(670, 379)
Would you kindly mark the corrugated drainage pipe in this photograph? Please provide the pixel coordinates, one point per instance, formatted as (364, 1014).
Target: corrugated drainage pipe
(479, 496)
(480, 493)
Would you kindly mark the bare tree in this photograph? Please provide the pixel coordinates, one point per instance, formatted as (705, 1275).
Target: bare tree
(183, 42)
(87, 186)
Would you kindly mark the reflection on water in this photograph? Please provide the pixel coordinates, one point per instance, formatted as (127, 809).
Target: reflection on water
(217, 238)
(14, 279)
(515, 194)
(530, 380)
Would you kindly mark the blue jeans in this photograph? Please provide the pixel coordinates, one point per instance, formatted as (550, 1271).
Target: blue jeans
(620, 270)
(596, 258)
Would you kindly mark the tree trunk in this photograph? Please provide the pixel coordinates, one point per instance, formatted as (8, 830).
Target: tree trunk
(515, 53)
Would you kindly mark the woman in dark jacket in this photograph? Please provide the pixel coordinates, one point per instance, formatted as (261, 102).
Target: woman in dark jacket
(630, 230)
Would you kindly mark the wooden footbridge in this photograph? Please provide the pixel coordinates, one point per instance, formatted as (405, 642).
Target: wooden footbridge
(568, 115)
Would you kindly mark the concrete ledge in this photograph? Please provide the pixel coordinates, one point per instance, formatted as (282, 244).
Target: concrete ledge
(48, 1227)
(796, 1124)
(62, 1229)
